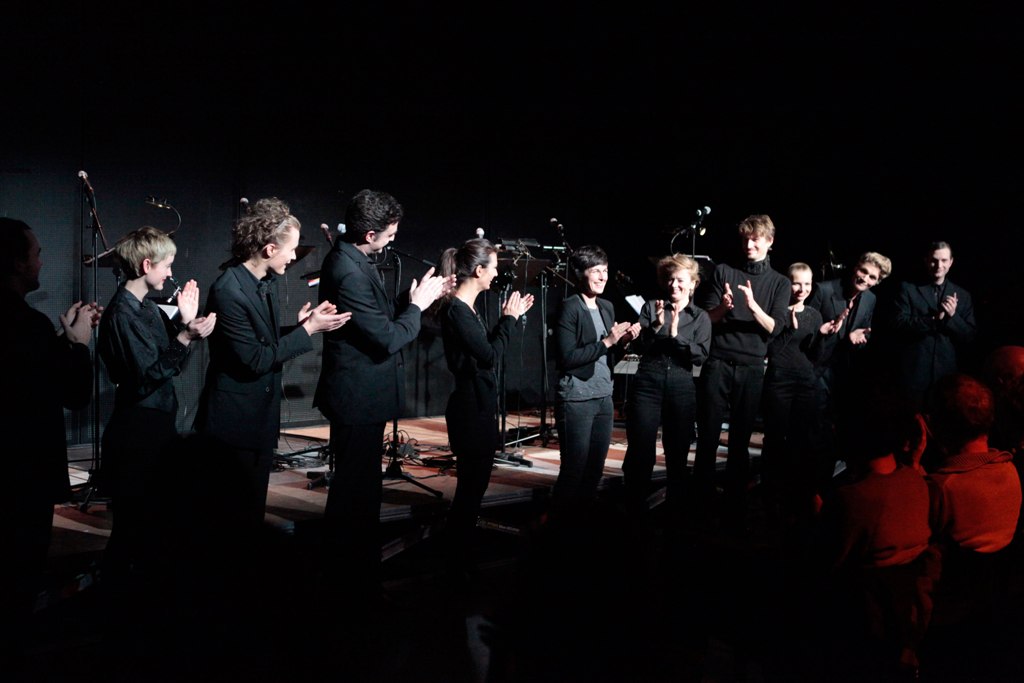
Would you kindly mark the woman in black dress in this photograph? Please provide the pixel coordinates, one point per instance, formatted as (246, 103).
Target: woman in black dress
(473, 353)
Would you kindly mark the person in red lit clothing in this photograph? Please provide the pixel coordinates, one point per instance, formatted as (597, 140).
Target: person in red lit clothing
(976, 492)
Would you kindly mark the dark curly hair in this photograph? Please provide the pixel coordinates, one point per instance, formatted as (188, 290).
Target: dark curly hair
(368, 211)
(264, 223)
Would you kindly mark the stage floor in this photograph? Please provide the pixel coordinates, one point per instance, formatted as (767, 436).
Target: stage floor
(524, 473)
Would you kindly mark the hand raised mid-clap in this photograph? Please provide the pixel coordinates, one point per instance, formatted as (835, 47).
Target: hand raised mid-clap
(323, 318)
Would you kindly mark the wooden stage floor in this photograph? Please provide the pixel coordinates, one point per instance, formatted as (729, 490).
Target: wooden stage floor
(525, 474)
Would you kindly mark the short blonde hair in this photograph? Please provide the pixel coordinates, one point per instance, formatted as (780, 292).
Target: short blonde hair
(883, 264)
(669, 265)
(145, 243)
(799, 267)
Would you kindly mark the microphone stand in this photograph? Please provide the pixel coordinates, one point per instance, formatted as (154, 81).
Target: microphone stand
(396, 450)
(92, 486)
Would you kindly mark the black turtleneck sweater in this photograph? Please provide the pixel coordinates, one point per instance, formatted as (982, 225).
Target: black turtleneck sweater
(738, 337)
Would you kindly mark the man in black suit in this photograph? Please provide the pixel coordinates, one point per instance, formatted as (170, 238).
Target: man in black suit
(241, 402)
(934, 320)
(850, 306)
(847, 306)
(45, 372)
(362, 382)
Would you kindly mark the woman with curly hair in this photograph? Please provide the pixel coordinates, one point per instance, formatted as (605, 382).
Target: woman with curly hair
(241, 403)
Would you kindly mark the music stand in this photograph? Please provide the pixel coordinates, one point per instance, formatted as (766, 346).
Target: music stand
(524, 270)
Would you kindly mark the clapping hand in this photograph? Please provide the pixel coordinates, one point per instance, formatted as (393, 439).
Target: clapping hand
(188, 302)
(517, 304)
(77, 322)
(429, 289)
(323, 318)
(833, 326)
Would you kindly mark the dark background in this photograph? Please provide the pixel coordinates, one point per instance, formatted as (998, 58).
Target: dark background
(854, 128)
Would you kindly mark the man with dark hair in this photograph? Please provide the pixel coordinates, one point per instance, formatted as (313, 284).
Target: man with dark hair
(362, 382)
(45, 372)
(241, 402)
(934, 320)
(733, 375)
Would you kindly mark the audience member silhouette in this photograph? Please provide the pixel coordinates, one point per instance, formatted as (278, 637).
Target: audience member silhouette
(878, 533)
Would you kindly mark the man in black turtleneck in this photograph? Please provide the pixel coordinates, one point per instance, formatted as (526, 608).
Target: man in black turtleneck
(747, 307)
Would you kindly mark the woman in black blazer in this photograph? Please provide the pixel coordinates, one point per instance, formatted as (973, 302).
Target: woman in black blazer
(473, 352)
(584, 412)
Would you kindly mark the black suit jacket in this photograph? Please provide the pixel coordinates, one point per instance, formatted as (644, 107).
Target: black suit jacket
(362, 378)
(829, 299)
(576, 339)
(44, 375)
(241, 401)
(928, 347)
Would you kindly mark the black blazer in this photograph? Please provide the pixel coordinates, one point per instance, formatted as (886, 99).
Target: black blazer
(241, 401)
(830, 301)
(44, 375)
(362, 378)
(576, 338)
(928, 347)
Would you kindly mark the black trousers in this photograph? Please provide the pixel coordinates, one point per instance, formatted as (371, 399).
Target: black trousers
(134, 442)
(791, 457)
(732, 392)
(661, 394)
(352, 514)
(584, 433)
(473, 436)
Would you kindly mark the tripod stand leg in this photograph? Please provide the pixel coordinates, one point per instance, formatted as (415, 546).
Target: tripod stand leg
(394, 471)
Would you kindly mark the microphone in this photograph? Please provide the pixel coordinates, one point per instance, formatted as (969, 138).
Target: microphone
(177, 289)
(623, 279)
(479, 233)
(327, 232)
(85, 181)
(557, 226)
(698, 224)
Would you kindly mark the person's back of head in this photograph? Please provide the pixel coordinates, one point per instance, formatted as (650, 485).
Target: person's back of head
(879, 422)
(1004, 366)
(960, 410)
(1004, 372)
